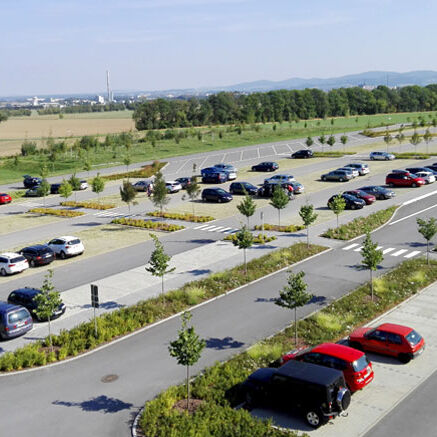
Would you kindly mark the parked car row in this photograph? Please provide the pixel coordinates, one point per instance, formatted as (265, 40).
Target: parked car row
(346, 173)
(323, 377)
(40, 254)
(32, 184)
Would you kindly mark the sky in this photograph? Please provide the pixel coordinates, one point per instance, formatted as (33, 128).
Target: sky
(66, 46)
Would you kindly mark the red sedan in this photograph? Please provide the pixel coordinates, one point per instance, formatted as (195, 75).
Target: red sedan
(368, 198)
(389, 339)
(357, 369)
(5, 198)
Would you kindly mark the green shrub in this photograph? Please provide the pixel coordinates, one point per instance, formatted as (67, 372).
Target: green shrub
(57, 212)
(412, 155)
(139, 223)
(145, 172)
(17, 194)
(257, 239)
(332, 154)
(89, 205)
(186, 217)
(289, 228)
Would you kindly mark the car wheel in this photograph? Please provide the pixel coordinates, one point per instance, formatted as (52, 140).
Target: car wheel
(219, 200)
(404, 358)
(32, 263)
(414, 185)
(323, 179)
(314, 418)
(3, 272)
(62, 254)
(341, 179)
(353, 206)
(387, 159)
(391, 185)
(372, 158)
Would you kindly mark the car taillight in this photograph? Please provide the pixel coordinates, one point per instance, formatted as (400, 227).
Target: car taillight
(67, 247)
(6, 328)
(38, 257)
(11, 265)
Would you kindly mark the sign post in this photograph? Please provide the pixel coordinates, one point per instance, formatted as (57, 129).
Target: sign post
(95, 304)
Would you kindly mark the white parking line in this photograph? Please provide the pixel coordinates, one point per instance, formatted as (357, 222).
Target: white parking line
(399, 252)
(390, 249)
(350, 247)
(225, 229)
(241, 155)
(412, 215)
(414, 253)
(257, 149)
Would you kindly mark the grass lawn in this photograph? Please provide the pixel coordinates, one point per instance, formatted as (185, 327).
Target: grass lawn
(19, 222)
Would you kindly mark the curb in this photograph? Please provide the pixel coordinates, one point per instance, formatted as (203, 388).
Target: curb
(134, 426)
(159, 322)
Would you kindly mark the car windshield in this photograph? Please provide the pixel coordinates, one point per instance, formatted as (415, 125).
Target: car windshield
(17, 259)
(220, 191)
(414, 338)
(359, 193)
(18, 316)
(77, 241)
(360, 364)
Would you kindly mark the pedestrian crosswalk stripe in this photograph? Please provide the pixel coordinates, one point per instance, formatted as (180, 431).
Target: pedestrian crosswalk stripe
(414, 253)
(215, 228)
(201, 226)
(358, 249)
(399, 252)
(390, 249)
(350, 247)
(225, 229)
(208, 227)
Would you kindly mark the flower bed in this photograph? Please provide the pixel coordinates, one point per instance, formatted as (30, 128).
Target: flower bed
(89, 205)
(148, 224)
(144, 172)
(257, 239)
(57, 212)
(186, 217)
(289, 228)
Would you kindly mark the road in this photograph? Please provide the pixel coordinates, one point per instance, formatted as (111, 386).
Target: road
(74, 391)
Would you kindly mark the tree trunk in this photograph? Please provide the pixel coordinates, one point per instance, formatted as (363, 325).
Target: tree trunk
(162, 284)
(427, 252)
(295, 327)
(337, 220)
(371, 283)
(245, 264)
(308, 237)
(279, 217)
(50, 336)
(188, 387)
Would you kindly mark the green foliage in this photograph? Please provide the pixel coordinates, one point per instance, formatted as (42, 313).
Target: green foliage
(257, 239)
(193, 188)
(147, 224)
(356, 226)
(247, 207)
(243, 240)
(43, 189)
(331, 140)
(344, 139)
(372, 257)
(160, 195)
(65, 190)
(98, 185)
(186, 217)
(279, 200)
(309, 141)
(308, 217)
(284, 228)
(74, 182)
(57, 212)
(128, 193)
(29, 148)
(428, 229)
(145, 172)
(89, 205)
(337, 205)
(332, 154)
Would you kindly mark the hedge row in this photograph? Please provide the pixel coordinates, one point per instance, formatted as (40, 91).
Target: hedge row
(125, 320)
(148, 224)
(146, 171)
(218, 386)
(289, 228)
(412, 155)
(257, 239)
(332, 154)
(89, 205)
(186, 217)
(57, 212)
(360, 225)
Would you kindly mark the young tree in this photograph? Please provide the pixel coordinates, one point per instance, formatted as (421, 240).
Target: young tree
(400, 137)
(87, 165)
(193, 190)
(65, 190)
(337, 205)
(128, 193)
(294, 296)
(427, 136)
(279, 200)
(428, 228)
(387, 139)
(322, 140)
(244, 241)
(415, 140)
(127, 161)
(247, 207)
(43, 189)
(159, 262)
(75, 184)
(160, 195)
(331, 139)
(98, 185)
(47, 301)
(372, 257)
(308, 217)
(43, 171)
(187, 348)
(344, 139)
(309, 142)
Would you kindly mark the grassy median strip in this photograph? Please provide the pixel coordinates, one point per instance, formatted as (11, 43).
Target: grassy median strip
(148, 224)
(359, 225)
(257, 239)
(287, 228)
(57, 212)
(146, 171)
(185, 216)
(89, 205)
(125, 320)
(218, 386)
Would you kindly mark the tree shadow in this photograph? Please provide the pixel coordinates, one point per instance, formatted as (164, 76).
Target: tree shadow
(101, 403)
(263, 246)
(323, 208)
(318, 300)
(263, 299)
(87, 224)
(14, 213)
(223, 343)
(197, 272)
(105, 305)
(200, 241)
(416, 244)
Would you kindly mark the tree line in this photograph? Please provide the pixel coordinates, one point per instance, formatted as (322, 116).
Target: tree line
(75, 109)
(282, 105)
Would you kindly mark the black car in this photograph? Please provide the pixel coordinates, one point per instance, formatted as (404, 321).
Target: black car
(352, 202)
(318, 392)
(243, 188)
(265, 166)
(54, 188)
(419, 169)
(214, 178)
(268, 188)
(216, 195)
(25, 297)
(184, 182)
(141, 185)
(38, 255)
(302, 154)
(381, 193)
(31, 182)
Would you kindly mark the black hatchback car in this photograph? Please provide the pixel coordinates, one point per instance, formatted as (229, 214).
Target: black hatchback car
(25, 297)
(216, 195)
(268, 189)
(243, 188)
(265, 166)
(31, 182)
(38, 255)
(54, 188)
(381, 193)
(352, 202)
(302, 154)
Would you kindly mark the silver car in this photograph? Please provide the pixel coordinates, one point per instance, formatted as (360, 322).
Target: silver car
(279, 178)
(381, 156)
(361, 167)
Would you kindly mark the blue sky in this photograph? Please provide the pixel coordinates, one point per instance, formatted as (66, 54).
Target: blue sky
(65, 46)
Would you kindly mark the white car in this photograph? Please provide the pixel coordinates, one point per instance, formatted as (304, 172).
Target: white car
(361, 167)
(173, 186)
(66, 246)
(11, 262)
(279, 178)
(426, 175)
(83, 185)
(354, 171)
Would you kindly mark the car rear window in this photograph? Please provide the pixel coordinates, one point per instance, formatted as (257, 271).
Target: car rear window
(413, 337)
(360, 364)
(17, 316)
(77, 241)
(17, 259)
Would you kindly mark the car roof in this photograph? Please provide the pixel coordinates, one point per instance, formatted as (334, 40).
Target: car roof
(27, 290)
(4, 194)
(4, 306)
(394, 328)
(66, 237)
(37, 246)
(10, 254)
(338, 350)
(310, 372)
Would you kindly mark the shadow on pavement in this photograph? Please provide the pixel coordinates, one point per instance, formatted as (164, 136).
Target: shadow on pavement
(100, 403)
(200, 241)
(197, 272)
(105, 305)
(319, 300)
(223, 343)
(415, 244)
(88, 224)
(263, 299)
(282, 418)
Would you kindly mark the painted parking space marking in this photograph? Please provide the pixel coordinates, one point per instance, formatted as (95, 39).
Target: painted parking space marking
(392, 251)
(215, 228)
(414, 253)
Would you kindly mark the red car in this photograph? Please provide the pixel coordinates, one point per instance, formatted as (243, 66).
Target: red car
(357, 369)
(5, 198)
(404, 180)
(368, 198)
(389, 339)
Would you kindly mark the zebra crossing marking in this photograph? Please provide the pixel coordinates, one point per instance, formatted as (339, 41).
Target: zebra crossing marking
(392, 251)
(351, 246)
(399, 252)
(414, 253)
(388, 250)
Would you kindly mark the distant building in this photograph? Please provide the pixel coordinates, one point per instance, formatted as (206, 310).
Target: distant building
(101, 100)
